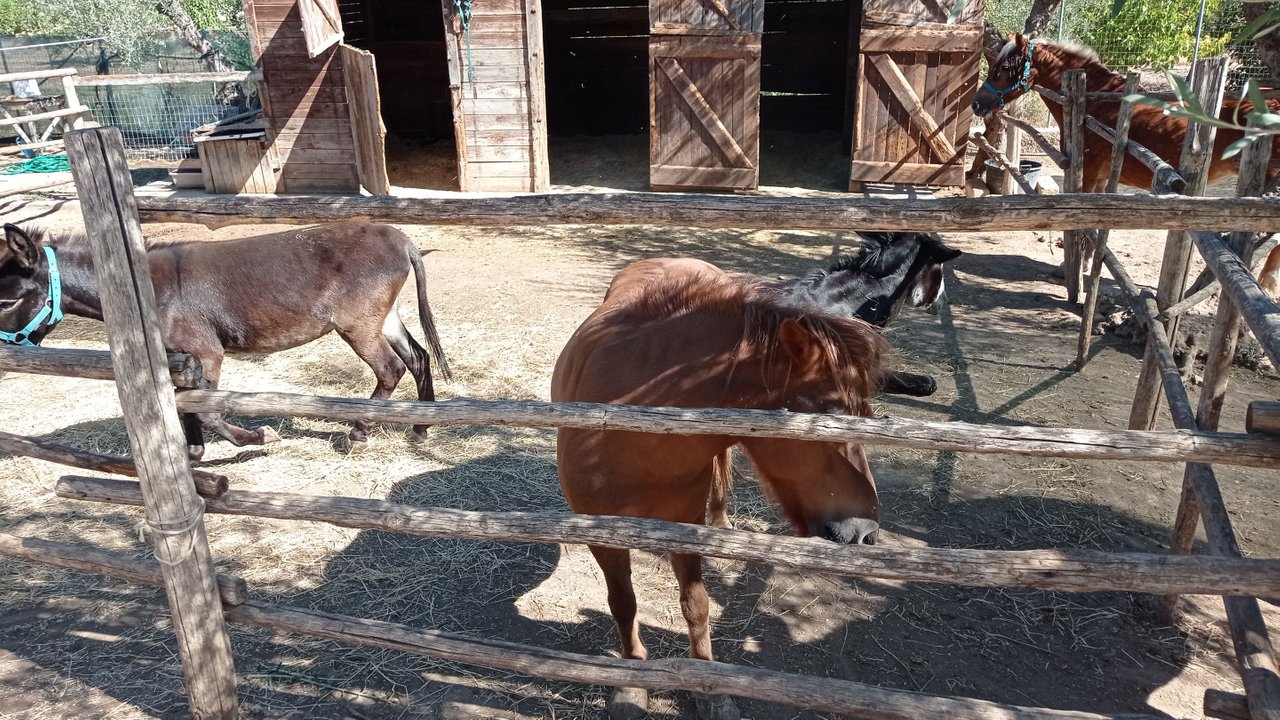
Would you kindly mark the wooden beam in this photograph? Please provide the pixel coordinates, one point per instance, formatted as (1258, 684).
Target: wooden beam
(1239, 285)
(1210, 80)
(184, 370)
(1263, 416)
(231, 590)
(1073, 122)
(36, 74)
(1123, 119)
(174, 511)
(1226, 448)
(1064, 570)
(207, 484)
(23, 119)
(1018, 212)
(1054, 153)
(1166, 178)
(825, 695)
(235, 76)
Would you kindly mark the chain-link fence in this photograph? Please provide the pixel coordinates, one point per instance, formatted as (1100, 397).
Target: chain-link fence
(156, 112)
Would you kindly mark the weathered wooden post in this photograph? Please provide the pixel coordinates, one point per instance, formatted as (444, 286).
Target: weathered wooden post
(1073, 114)
(174, 513)
(1119, 153)
(1209, 85)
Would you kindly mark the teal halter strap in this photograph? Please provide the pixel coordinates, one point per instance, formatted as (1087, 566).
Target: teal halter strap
(51, 311)
(1022, 83)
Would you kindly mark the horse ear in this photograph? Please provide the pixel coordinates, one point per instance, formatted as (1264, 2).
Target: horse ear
(947, 254)
(801, 346)
(19, 247)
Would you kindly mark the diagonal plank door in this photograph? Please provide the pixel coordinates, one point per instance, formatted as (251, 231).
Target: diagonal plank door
(704, 92)
(915, 86)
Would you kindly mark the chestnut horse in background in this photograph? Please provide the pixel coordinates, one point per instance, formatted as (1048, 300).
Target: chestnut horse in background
(1023, 63)
(683, 333)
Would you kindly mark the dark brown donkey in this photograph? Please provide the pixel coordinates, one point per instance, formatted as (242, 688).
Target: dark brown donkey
(254, 295)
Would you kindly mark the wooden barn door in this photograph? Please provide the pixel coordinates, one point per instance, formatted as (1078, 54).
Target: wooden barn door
(916, 79)
(704, 94)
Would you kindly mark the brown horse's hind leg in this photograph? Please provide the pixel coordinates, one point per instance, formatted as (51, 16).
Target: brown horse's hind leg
(415, 357)
(211, 365)
(374, 349)
(695, 605)
(625, 703)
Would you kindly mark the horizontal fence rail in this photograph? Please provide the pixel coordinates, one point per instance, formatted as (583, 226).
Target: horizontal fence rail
(1169, 445)
(184, 370)
(992, 213)
(1062, 570)
(812, 693)
(1259, 311)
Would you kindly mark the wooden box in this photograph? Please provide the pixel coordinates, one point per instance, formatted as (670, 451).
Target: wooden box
(236, 161)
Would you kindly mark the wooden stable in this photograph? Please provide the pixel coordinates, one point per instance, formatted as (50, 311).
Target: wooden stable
(916, 78)
(700, 76)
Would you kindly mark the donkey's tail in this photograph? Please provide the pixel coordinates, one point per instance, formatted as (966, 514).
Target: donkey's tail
(424, 314)
(721, 483)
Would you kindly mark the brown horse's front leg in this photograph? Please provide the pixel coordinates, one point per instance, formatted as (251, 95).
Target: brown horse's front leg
(625, 703)
(696, 607)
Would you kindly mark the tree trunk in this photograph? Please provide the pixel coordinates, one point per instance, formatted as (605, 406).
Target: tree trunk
(190, 34)
(1269, 44)
(1040, 18)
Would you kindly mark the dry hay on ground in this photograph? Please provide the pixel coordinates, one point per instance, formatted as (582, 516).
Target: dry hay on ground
(76, 645)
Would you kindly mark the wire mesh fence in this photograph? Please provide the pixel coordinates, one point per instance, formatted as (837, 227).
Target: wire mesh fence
(156, 113)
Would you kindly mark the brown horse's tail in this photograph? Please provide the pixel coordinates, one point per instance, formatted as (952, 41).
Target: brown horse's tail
(721, 483)
(1269, 275)
(424, 314)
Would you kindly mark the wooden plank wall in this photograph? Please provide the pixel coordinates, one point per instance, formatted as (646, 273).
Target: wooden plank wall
(597, 65)
(304, 101)
(499, 124)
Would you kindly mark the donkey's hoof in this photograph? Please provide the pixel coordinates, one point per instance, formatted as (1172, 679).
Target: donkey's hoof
(628, 704)
(418, 433)
(716, 707)
(356, 444)
(195, 452)
(267, 435)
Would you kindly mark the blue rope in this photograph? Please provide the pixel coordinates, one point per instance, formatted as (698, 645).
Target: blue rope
(464, 12)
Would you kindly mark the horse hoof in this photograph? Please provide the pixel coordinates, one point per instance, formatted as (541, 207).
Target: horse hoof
(417, 435)
(722, 521)
(628, 704)
(267, 435)
(355, 445)
(717, 707)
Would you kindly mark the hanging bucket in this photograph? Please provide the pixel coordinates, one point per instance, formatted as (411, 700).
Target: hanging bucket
(1030, 170)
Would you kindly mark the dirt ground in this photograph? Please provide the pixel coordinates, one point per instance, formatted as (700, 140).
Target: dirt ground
(506, 299)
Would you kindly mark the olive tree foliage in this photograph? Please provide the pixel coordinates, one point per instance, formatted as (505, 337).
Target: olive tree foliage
(134, 30)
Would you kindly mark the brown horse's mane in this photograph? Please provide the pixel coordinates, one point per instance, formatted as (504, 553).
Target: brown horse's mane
(847, 342)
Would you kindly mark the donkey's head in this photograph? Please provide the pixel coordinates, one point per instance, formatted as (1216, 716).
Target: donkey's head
(905, 268)
(30, 288)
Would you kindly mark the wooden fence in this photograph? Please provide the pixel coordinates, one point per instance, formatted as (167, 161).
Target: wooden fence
(203, 600)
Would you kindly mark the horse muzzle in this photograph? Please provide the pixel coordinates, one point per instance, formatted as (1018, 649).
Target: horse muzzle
(982, 107)
(851, 531)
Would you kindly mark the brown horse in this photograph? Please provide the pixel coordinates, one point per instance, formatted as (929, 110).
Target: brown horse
(254, 295)
(1023, 63)
(683, 333)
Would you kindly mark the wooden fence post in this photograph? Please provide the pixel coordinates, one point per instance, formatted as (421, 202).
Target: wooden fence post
(1073, 114)
(1119, 154)
(1197, 146)
(173, 510)
(1013, 153)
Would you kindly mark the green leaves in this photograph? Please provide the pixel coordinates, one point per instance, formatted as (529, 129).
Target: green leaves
(1265, 23)
(1259, 122)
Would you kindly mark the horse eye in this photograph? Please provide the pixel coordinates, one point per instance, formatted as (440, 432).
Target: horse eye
(7, 305)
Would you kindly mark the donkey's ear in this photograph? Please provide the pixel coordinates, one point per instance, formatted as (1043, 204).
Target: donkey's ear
(947, 254)
(800, 343)
(19, 247)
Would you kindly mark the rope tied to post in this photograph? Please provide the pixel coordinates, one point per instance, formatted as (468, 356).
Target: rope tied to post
(173, 528)
(464, 12)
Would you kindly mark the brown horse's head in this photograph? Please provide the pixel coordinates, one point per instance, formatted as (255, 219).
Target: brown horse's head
(825, 489)
(1012, 74)
(30, 303)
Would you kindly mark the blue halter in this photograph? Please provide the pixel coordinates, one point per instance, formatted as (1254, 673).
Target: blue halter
(50, 312)
(1022, 83)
